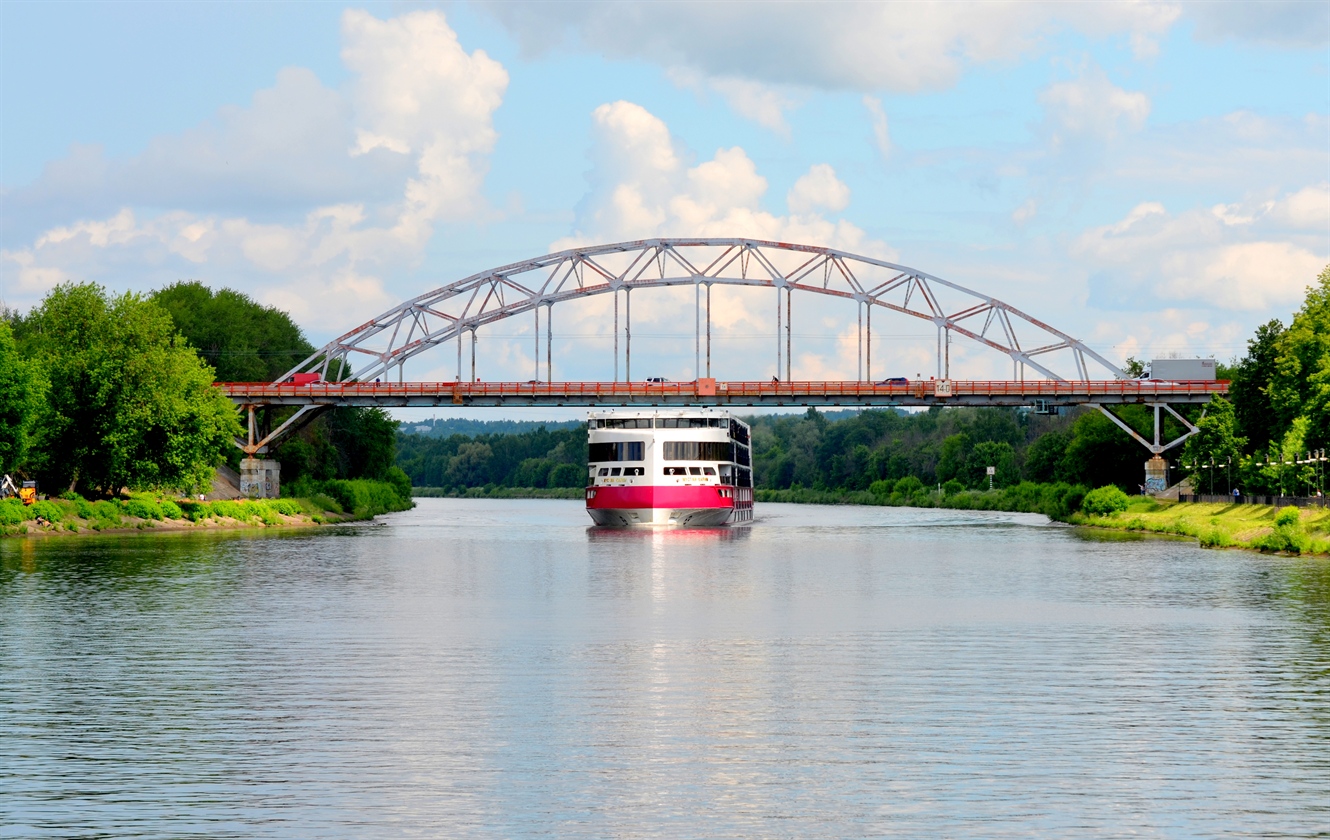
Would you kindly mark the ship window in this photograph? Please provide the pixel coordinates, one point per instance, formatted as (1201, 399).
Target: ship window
(604, 471)
(676, 471)
(708, 470)
(634, 471)
(697, 450)
(626, 423)
(694, 470)
(687, 422)
(624, 450)
(615, 471)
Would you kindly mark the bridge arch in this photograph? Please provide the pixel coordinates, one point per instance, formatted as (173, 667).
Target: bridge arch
(447, 313)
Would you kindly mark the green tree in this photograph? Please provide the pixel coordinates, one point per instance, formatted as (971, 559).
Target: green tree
(22, 397)
(130, 403)
(1100, 453)
(469, 467)
(954, 455)
(996, 454)
(1300, 386)
(244, 341)
(1216, 443)
(1254, 415)
(1043, 458)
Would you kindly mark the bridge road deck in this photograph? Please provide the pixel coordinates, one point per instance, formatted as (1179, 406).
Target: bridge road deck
(709, 392)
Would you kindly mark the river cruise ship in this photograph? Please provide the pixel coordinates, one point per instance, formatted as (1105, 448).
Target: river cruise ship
(682, 467)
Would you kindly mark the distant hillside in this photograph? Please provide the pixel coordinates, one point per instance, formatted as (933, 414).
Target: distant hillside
(443, 427)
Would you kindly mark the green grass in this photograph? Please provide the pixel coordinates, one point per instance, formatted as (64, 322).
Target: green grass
(1261, 527)
(141, 511)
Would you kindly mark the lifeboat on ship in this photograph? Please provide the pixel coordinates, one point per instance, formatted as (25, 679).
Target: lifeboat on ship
(687, 468)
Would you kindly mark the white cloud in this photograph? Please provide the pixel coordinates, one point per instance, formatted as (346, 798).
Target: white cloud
(1308, 208)
(1090, 108)
(905, 47)
(1227, 257)
(818, 189)
(758, 102)
(878, 117)
(642, 187)
(417, 115)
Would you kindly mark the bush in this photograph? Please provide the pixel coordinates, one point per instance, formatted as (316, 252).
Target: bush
(267, 515)
(49, 511)
(12, 512)
(287, 507)
(1104, 501)
(106, 511)
(142, 509)
(400, 482)
(1072, 498)
(170, 509)
(364, 498)
(1288, 534)
(326, 502)
(238, 511)
(195, 511)
(880, 489)
(952, 487)
(1215, 538)
(908, 486)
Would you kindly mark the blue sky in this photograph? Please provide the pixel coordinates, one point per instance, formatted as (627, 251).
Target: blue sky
(1153, 178)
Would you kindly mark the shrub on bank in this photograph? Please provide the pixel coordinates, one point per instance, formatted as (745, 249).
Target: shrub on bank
(1288, 534)
(1103, 501)
(13, 512)
(48, 510)
(143, 509)
(364, 498)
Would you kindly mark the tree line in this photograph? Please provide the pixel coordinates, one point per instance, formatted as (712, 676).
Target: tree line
(102, 391)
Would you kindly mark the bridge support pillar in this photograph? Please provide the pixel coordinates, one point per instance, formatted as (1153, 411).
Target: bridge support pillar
(260, 478)
(1156, 475)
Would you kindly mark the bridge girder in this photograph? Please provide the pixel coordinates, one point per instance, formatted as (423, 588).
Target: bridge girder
(447, 313)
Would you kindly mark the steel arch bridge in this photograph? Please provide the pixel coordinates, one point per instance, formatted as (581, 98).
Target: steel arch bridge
(448, 313)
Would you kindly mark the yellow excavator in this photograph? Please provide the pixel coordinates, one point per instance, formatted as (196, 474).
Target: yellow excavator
(27, 493)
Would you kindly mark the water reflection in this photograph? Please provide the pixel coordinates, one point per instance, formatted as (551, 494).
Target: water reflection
(482, 669)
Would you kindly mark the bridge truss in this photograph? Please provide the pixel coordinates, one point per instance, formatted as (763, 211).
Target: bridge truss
(449, 313)
(455, 312)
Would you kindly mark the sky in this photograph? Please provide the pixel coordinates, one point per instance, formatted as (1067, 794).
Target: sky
(1152, 178)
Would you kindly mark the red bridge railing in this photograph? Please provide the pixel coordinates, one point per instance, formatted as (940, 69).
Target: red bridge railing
(1128, 389)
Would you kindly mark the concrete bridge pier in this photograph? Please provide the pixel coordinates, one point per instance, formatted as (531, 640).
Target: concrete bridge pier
(260, 478)
(1156, 475)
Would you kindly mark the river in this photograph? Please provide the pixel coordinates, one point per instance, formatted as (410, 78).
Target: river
(488, 668)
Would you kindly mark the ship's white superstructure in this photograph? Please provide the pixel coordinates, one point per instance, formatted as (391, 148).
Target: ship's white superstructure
(690, 467)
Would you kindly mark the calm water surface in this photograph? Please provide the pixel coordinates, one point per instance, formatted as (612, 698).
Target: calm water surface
(498, 669)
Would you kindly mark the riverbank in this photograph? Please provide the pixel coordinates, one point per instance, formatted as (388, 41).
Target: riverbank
(1256, 527)
(336, 501)
(1056, 501)
(499, 493)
